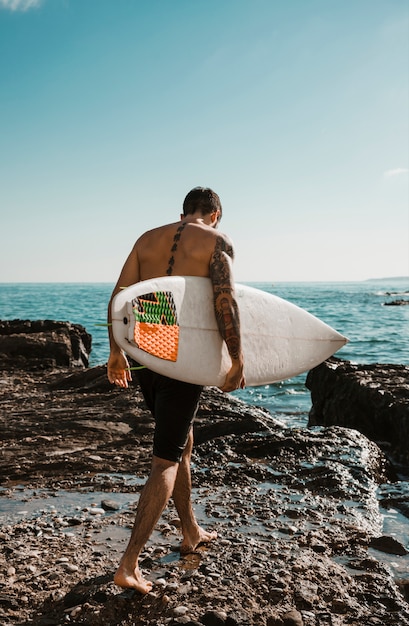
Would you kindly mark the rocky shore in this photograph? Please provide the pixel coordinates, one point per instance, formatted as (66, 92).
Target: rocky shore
(373, 399)
(300, 534)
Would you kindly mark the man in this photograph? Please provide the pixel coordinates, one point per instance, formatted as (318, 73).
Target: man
(191, 247)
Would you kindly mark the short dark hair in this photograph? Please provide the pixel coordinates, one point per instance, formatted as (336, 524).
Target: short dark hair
(202, 199)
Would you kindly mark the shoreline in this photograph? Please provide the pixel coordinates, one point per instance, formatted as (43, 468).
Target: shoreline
(280, 499)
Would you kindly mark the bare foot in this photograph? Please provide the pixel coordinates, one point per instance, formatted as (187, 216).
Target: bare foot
(129, 579)
(197, 538)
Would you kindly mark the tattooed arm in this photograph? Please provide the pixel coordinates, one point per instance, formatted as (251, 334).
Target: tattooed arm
(226, 310)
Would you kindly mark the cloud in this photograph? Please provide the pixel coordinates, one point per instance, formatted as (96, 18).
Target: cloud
(399, 171)
(19, 5)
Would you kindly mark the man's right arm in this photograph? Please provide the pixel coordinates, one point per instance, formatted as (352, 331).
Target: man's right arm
(118, 367)
(226, 310)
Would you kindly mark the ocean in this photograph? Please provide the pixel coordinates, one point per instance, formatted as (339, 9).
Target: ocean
(376, 333)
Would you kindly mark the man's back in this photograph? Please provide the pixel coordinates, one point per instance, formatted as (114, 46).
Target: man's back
(185, 247)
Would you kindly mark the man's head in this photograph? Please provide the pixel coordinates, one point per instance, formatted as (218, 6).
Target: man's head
(202, 199)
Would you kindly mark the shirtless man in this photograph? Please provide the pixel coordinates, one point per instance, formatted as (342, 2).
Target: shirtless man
(192, 247)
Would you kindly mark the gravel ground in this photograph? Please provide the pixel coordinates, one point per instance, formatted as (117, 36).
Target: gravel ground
(295, 510)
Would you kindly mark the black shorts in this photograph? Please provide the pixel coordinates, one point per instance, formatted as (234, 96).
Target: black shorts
(173, 405)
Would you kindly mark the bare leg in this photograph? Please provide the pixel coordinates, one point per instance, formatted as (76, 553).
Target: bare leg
(193, 534)
(152, 501)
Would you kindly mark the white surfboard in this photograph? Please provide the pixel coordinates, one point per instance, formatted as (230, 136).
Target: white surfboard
(168, 324)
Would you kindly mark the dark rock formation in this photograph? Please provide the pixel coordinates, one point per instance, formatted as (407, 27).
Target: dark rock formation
(397, 303)
(43, 344)
(373, 399)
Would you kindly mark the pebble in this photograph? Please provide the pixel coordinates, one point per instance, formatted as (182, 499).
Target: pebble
(180, 610)
(11, 571)
(96, 511)
(70, 567)
(214, 618)
(172, 586)
(76, 611)
(293, 618)
(74, 521)
(110, 505)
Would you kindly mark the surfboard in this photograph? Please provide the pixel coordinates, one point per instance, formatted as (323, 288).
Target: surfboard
(168, 324)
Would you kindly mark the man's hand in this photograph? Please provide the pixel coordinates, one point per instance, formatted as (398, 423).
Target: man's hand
(118, 369)
(235, 378)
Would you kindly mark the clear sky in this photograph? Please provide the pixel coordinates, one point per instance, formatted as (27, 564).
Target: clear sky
(295, 112)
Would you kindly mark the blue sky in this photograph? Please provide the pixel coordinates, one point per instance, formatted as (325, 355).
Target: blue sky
(295, 112)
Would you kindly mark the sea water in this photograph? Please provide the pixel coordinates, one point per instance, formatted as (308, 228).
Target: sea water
(376, 333)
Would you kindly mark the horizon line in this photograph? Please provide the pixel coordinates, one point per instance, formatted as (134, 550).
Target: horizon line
(271, 281)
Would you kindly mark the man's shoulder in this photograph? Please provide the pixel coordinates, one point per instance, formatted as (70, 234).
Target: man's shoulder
(155, 232)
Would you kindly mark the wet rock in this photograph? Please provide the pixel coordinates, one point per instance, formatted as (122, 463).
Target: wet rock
(213, 618)
(43, 344)
(110, 505)
(220, 415)
(388, 545)
(92, 379)
(96, 510)
(373, 399)
(404, 587)
(396, 496)
(238, 618)
(399, 302)
(293, 618)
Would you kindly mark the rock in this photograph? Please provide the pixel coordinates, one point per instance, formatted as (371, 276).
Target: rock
(306, 596)
(293, 618)
(238, 618)
(93, 379)
(339, 606)
(96, 511)
(400, 302)
(213, 618)
(74, 521)
(180, 610)
(373, 399)
(220, 414)
(70, 567)
(110, 505)
(389, 545)
(43, 344)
